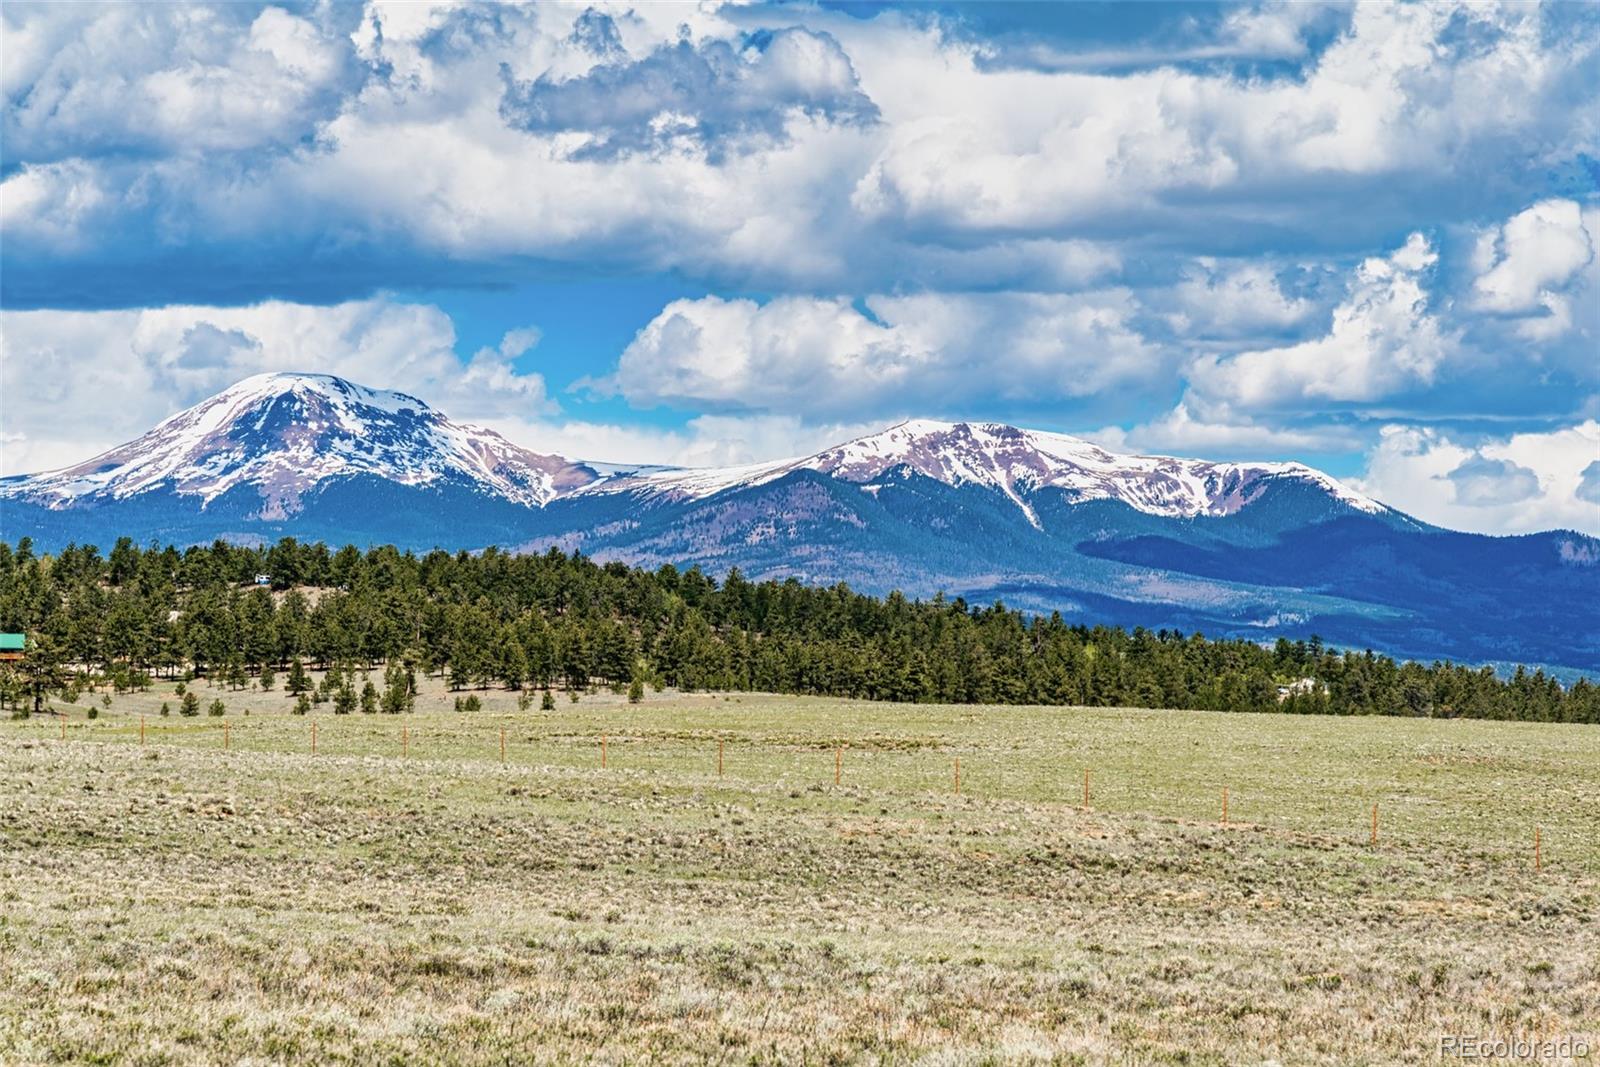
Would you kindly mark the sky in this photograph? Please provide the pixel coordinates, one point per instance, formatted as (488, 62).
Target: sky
(1363, 237)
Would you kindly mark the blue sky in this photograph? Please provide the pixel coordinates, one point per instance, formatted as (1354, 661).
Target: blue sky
(1365, 237)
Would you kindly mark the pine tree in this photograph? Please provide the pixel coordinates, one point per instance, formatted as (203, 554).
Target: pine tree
(396, 689)
(548, 701)
(43, 672)
(302, 704)
(217, 707)
(299, 682)
(190, 705)
(511, 663)
(636, 691)
(268, 678)
(369, 698)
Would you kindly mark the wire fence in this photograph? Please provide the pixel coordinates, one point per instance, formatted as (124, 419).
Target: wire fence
(854, 768)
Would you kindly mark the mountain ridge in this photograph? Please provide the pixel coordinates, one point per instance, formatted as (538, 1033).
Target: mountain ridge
(1004, 457)
(1050, 521)
(286, 431)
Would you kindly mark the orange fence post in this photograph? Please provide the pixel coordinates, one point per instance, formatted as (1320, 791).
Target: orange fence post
(958, 776)
(405, 741)
(719, 757)
(1536, 858)
(838, 763)
(313, 739)
(602, 752)
(141, 729)
(502, 744)
(224, 735)
(63, 726)
(1224, 805)
(1374, 825)
(1086, 789)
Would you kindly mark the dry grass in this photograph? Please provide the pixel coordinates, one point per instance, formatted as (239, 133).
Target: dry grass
(179, 903)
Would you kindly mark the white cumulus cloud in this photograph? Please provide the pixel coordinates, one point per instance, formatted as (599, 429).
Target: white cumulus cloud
(1383, 338)
(1516, 484)
(1240, 298)
(865, 145)
(1539, 266)
(822, 356)
(1222, 434)
(167, 78)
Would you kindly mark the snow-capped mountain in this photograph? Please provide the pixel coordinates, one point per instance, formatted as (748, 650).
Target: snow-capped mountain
(1046, 521)
(285, 435)
(1015, 463)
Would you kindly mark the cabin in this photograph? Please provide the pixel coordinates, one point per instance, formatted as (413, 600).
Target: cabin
(12, 647)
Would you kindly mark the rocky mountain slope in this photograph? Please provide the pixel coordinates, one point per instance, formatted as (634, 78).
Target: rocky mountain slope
(283, 435)
(1014, 463)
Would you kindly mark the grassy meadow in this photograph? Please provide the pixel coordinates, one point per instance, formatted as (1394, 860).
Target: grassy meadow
(185, 902)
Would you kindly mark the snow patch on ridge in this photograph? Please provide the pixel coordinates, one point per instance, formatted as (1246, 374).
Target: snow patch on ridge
(283, 434)
(1013, 462)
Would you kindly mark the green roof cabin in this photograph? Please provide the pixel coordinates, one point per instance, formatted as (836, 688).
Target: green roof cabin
(12, 646)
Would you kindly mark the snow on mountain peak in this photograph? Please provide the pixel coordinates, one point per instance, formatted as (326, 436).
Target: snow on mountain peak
(334, 389)
(285, 433)
(1015, 462)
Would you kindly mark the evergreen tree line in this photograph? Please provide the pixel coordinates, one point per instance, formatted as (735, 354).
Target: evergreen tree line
(563, 621)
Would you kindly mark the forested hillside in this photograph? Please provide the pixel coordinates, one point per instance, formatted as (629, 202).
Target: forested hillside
(556, 620)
